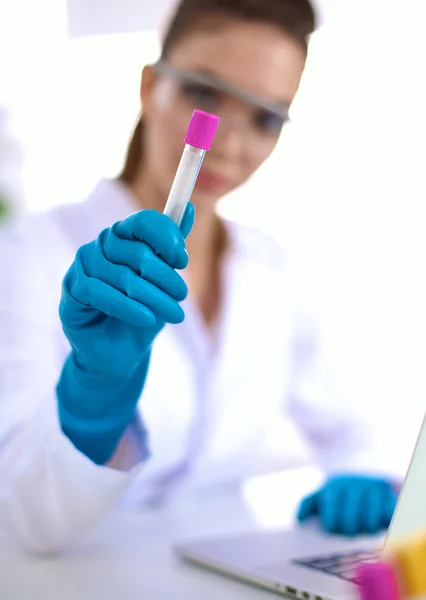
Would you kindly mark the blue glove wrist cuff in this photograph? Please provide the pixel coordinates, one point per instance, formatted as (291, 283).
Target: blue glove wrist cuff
(94, 411)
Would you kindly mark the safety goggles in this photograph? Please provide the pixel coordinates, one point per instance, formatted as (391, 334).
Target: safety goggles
(260, 119)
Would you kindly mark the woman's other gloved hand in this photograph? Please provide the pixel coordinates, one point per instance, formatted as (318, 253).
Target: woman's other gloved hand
(351, 505)
(117, 295)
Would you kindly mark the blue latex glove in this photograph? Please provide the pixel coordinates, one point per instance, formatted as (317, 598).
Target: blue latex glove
(351, 505)
(118, 294)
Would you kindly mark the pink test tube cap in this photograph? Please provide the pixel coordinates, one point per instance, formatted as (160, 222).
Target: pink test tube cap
(377, 581)
(201, 130)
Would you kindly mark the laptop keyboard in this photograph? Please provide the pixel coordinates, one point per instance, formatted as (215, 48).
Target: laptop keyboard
(343, 565)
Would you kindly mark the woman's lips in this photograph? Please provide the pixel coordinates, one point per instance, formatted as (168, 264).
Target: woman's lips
(210, 182)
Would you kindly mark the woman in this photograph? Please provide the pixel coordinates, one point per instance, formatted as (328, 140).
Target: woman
(119, 397)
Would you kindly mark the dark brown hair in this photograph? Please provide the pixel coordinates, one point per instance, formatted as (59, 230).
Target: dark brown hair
(294, 17)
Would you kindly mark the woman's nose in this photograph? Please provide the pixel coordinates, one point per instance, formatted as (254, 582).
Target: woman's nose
(231, 138)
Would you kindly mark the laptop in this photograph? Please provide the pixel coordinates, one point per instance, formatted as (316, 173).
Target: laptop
(305, 563)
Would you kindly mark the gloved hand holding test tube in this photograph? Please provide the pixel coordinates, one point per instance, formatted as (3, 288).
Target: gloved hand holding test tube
(198, 141)
(104, 374)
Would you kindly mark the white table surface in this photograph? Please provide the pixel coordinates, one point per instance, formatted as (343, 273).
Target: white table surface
(130, 556)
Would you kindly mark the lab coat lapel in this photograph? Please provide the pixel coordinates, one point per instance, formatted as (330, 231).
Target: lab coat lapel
(108, 203)
(215, 356)
(249, 371)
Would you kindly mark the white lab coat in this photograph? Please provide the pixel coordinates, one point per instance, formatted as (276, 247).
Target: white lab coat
(247, 399)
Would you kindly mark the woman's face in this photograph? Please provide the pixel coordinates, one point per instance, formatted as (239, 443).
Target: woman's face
(247, 74)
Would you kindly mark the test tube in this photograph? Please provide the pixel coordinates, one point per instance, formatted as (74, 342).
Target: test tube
(377, 581)
(198, 141)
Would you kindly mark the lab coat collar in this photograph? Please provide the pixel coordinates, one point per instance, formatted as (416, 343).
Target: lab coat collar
(109, 202)
(114, 202)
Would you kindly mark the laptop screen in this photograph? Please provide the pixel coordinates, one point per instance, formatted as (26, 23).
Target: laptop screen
(410, 514)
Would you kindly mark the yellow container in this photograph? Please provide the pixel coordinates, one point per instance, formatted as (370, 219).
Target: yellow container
(409, 560)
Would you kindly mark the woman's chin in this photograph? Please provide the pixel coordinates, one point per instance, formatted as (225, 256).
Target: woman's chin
(204, 201)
